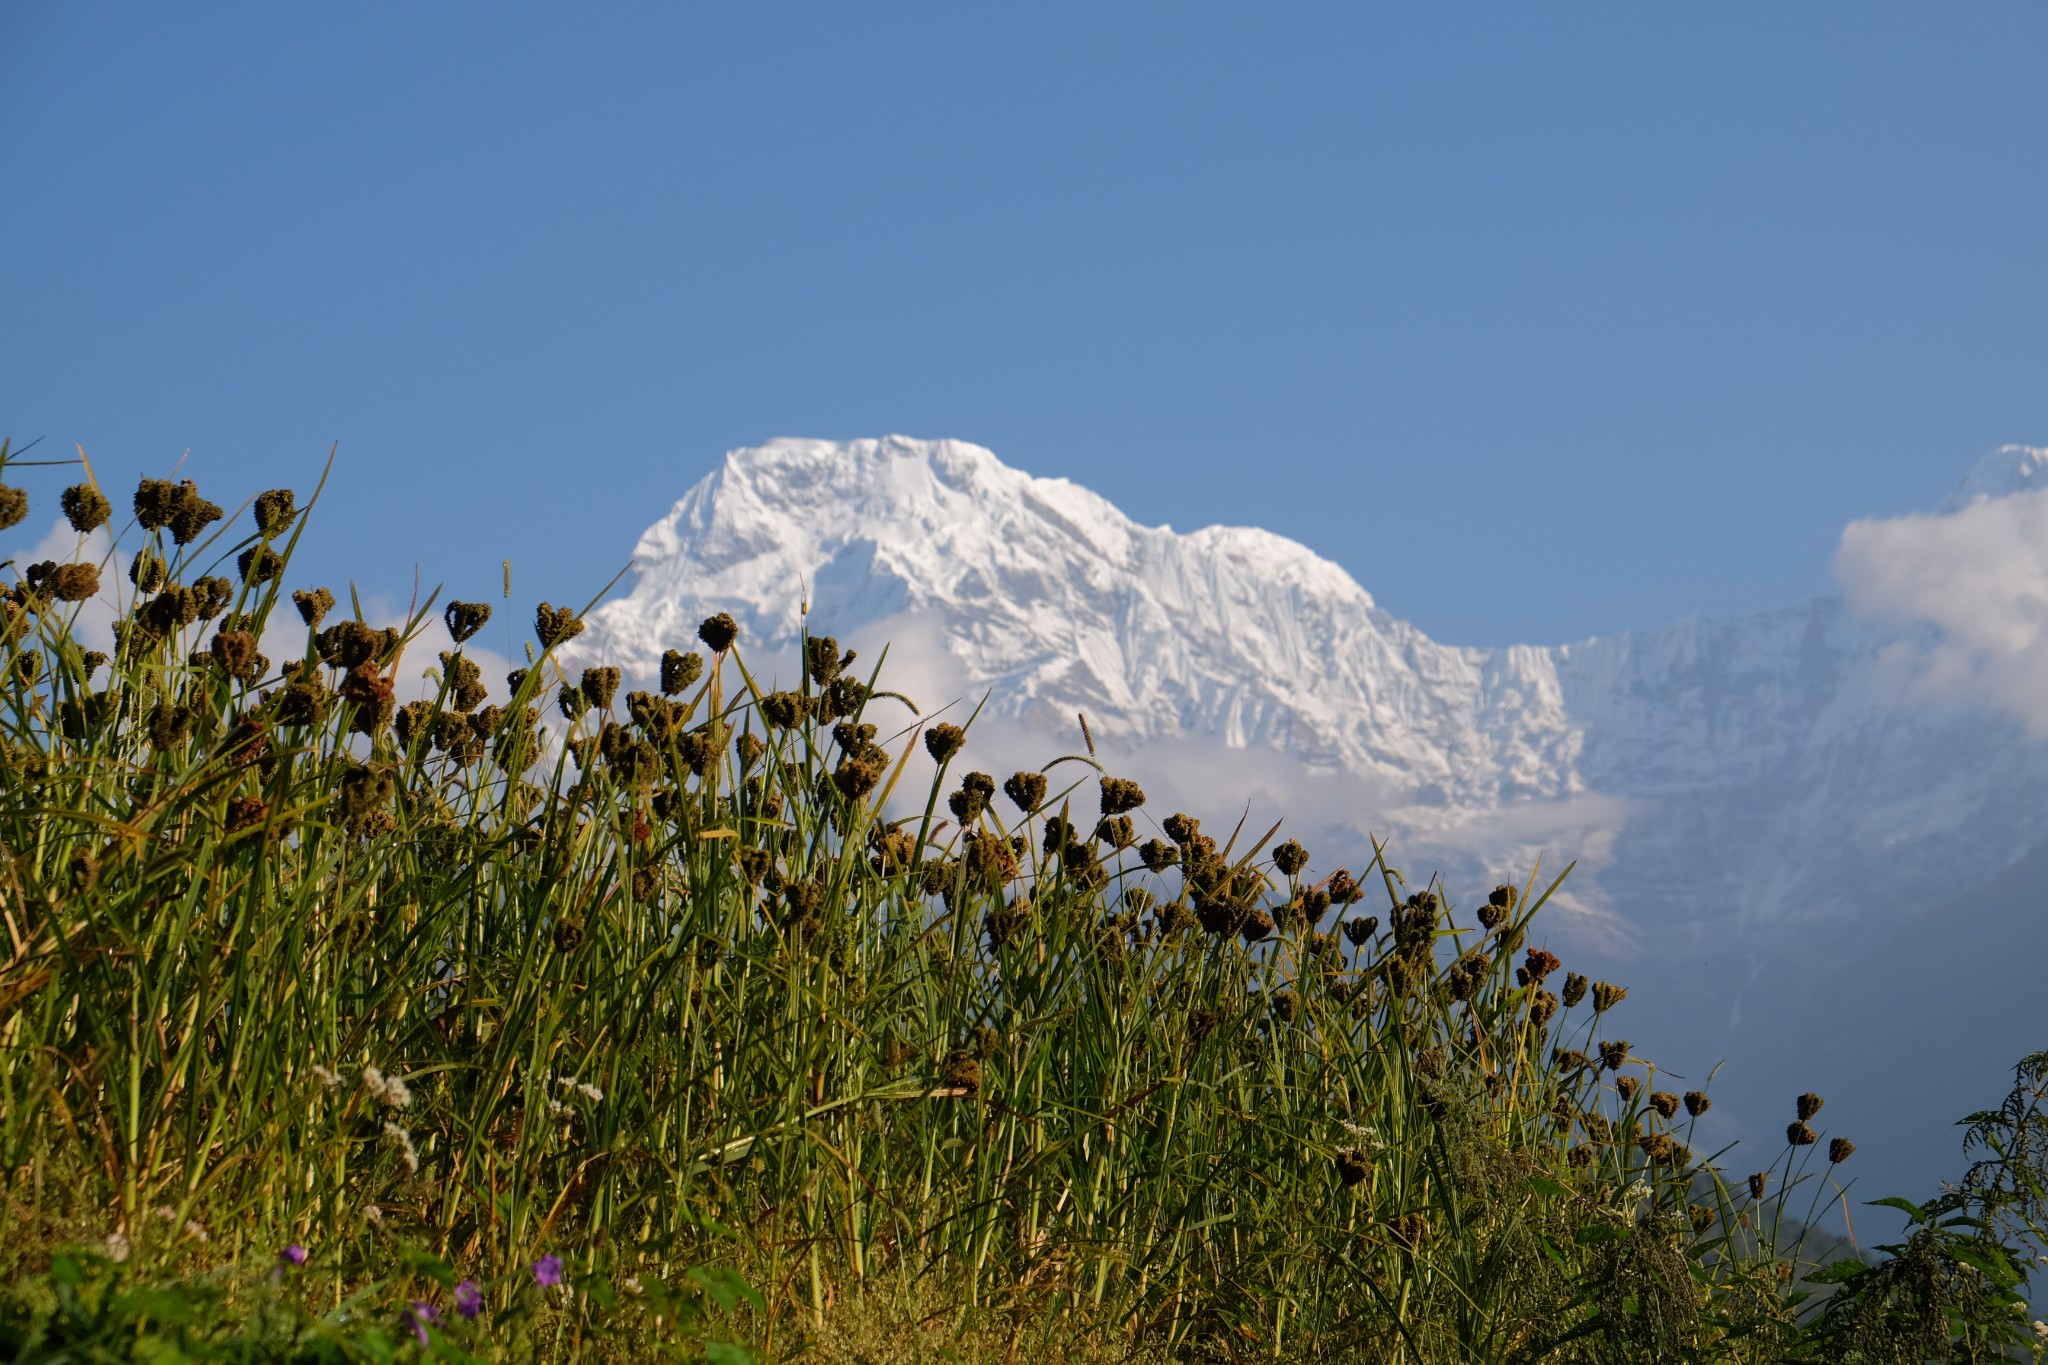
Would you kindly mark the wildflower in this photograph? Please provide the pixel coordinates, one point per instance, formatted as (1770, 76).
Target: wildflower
(419, 1315)
(469, 1300)
(1809, 1105)
(384, 1089)
(117, 1246)
(373, 1215)
(293, 1255)
(403, 1141)
(1840, 1150)
(166, 1212)
(2041, 1329)
(196, 1230)
(547, 1271)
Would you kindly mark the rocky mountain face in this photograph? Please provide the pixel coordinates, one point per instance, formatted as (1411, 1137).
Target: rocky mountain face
(1740, 792)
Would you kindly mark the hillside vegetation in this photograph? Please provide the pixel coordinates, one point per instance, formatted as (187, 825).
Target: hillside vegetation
(623, 1025)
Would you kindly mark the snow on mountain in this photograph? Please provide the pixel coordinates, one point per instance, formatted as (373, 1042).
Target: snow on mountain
(1717, 775)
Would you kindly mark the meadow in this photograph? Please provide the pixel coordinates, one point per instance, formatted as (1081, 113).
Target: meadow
(620, 1025)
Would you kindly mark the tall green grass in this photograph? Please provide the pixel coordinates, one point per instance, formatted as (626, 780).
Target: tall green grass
(655, 979)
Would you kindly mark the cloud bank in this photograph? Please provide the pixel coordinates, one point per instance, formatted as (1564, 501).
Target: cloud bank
(1979, 577)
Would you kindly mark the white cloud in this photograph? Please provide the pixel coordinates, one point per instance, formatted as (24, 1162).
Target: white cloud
(1979, 577)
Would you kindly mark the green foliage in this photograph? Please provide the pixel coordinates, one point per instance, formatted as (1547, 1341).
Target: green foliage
(442, 989)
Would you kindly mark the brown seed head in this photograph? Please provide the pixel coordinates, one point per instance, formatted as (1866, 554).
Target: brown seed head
(1290, 858)
(1809, 1104)
(599, 686)
(552, 625)
(1181, 828)
(85, 507)
(718, 632)
(943, 741)
(74, 582)
(211, 595)
(313, 606)
(679, 670)
(1700, 1216)
(1613, 1053)
(1157, 854)
(1026, 790)
(1626, 1087)
(146, 570)
(1664, 1102)
(1758, 1183)
(1606, 996)
(155, 500)
(259, 564)
(1542, 1007)
(274, 511)
(1352, 1166)
(1541, 962)
(13, 507)
(465, 619)
(1697, 1103)
(1840, 1150)
(192, 514)
(1574, 989)
(821, 659)
(1360, 931)
(1117, 831)
(1120, 794)
(1580, 1156)
(1799, 1135)
(235, 652)
(960, 1071)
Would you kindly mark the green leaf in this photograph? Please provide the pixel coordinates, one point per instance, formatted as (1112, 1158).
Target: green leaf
(1544, 1185)
(599, 1287)
(1905, 1206)
(64, 1270)
(729, 1353)
(430, 1265)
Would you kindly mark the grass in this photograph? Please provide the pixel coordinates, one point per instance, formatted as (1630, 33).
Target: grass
(657, 984)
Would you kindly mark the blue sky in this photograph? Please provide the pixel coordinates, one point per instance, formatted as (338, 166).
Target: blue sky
(1543, 321)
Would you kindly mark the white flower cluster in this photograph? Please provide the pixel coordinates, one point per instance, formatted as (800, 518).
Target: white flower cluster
(1365, 1133)
(403, 1141)
(385, 1089)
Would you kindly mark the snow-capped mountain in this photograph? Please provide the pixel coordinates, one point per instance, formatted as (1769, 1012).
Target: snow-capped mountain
(1714, 776)
(1775, 820)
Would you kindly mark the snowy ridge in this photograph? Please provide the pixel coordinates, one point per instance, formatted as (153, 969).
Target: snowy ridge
(1786, 735)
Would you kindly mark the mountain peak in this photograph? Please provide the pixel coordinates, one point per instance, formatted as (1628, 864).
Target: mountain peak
(2005, 471)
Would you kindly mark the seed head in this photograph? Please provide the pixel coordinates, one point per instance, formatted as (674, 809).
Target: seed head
(274, 511)
(13, 507)
(235, 652)
(821, 659)
(1540, 963)
(1574, 989)
(1353, 1166)
(1542, 1008)
(1027, 792)
(146, 570)
(599, 686)
(1757, 1184)
(259, 564)
(1799, 1135)
(1290, 858)
(943, 741)
(1626, 1087)
(465, 619)
(1809, 1104)
(91, 662)
(211, 595)
(1607, 995)
(1664, 1102)
(1700, 1216)
(1840, 1150)
(170, 725)
(465, 681)
(679, 670)
(784, 709)
(1697, 1103)
(1580, 1156)
(313, 606)
(74, 582)
(1613, 1053)
(1182, 828)
(552, 625)
(1156, 854)
(718, 632)
(1120, 794)
(968, 803)
(960, 1071)
(1360, 931)
(85, 507)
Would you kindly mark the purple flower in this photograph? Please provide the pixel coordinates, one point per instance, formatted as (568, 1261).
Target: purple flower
(293, 1254)
(469, 1300)
(547, 1271)
(419, 1315)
